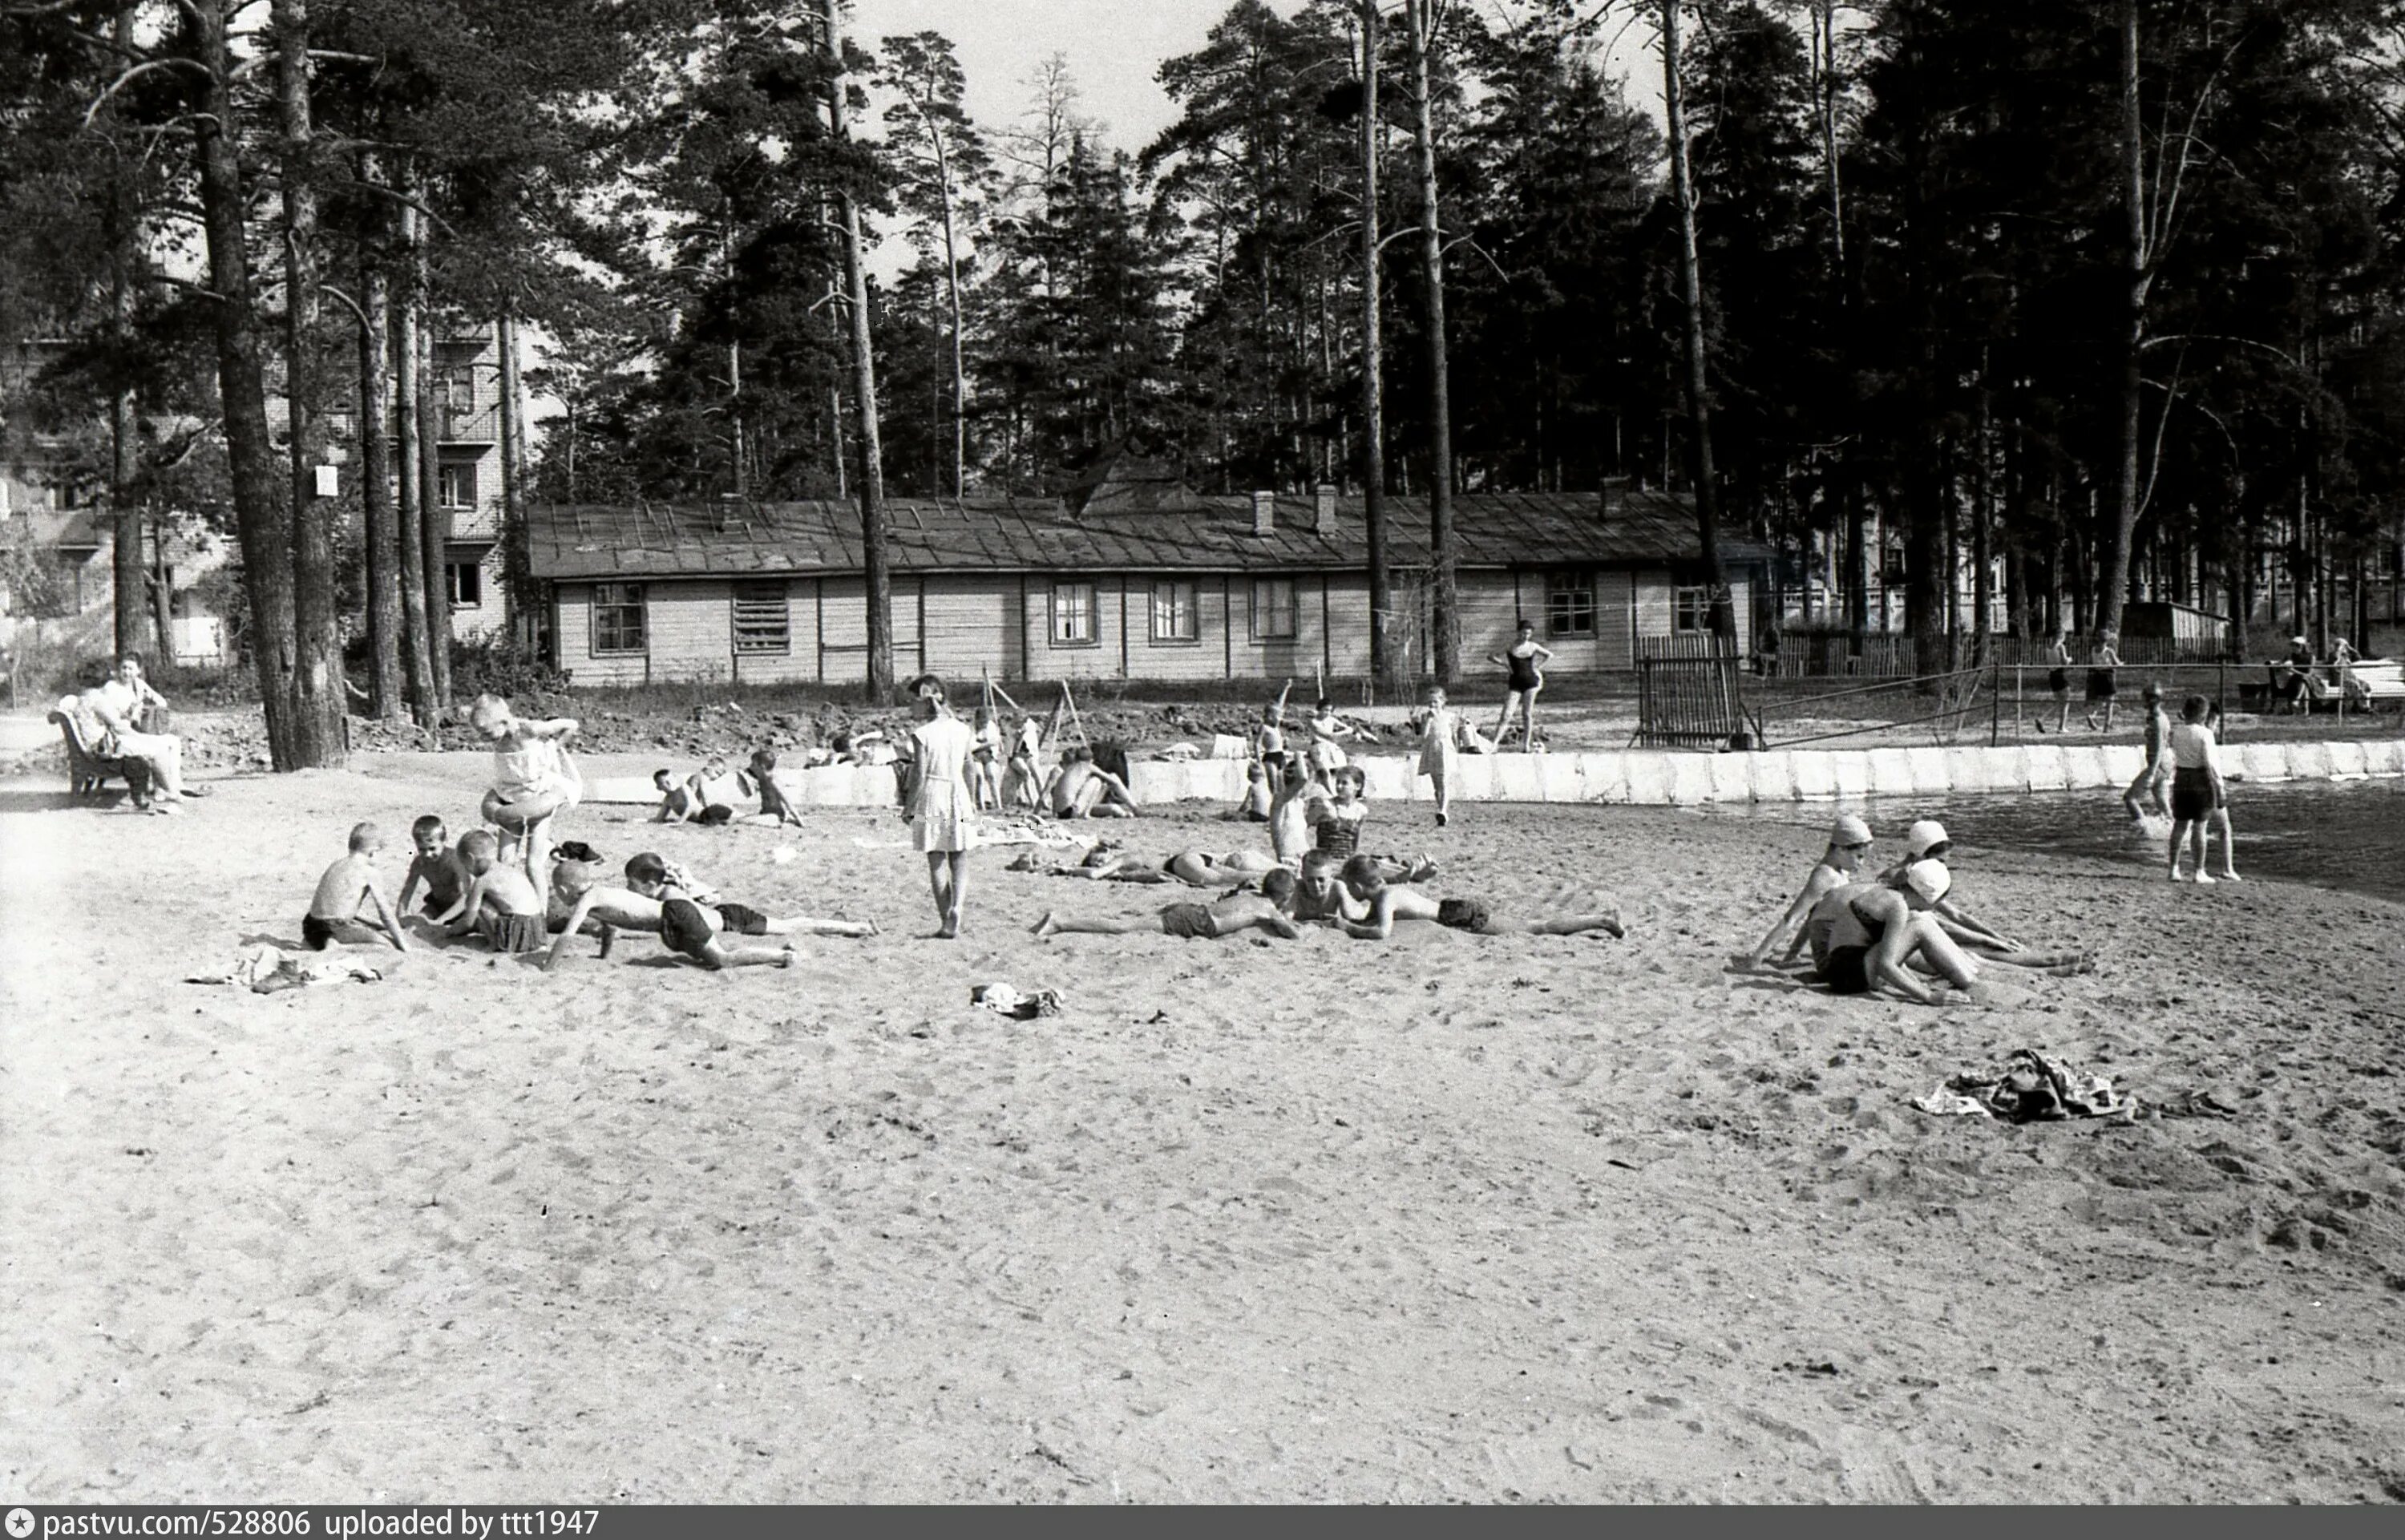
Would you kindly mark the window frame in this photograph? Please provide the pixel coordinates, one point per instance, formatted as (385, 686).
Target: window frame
(1193, 636)
(764, 591)
(1691, 609)
(1576, 584)
(453, 588)
(455, 388)
(1258, 611)
(443, 471)
(619, 597)
(1094, 614)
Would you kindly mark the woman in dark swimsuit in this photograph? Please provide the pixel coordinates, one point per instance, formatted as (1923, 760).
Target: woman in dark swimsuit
(1524, 659)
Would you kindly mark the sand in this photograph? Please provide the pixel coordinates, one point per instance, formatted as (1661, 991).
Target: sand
(1510, 1219)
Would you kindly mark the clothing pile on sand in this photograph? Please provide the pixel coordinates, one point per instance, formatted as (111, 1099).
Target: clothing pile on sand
(268, 970)
(2029, 1087)
(1004, 999)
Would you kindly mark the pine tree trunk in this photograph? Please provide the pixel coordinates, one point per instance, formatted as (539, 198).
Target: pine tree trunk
(1445, 596)
(2114, 580)
(517, 588)
(1698, 381)
(263, 509)
(436, 543)
(129, 584)
(380, 526)
(321, 707)
(875, 559)
(408, 475)
(1383, 663)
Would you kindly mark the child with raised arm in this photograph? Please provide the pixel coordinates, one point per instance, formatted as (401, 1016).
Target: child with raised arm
(1328, 734)
(500, 904)
(1291, 814)
(534, 780)
(1849, 845)
(1389, 902)
(347, 885)
(1269, 737)
(1232, 913)
(437, 865)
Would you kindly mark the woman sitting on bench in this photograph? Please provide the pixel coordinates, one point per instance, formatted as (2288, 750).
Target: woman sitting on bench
(117, 706)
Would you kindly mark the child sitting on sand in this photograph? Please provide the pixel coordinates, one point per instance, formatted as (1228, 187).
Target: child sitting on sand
(1849, 845)
(677, 805)
(1259, 798)
(1082, 789)
(775, 809)
(1865, 935)
(691, 927)
(1290, 814)
(1336, 819)
(1389, 902)
(1234, 913)
(500, 904)
(534, 780)
(437, 865)
(348, 885)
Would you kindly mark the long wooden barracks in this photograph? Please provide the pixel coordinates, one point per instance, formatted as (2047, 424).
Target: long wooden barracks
(1133, 576)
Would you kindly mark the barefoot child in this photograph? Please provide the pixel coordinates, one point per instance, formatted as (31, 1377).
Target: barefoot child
(2147, 791)
(775, 809)
(1259, 798)
(534, 780)
(582, 904)
(1389, 902)
(2199, 796)
(677, 805)
(1864, 935)
(1440, 751)
(985, 761)
(1233, 912)
(1849, 845)
(438, 866)
(350, 882)
(1022, 780)
(500, 904)
(650, 876)
(1290, 814)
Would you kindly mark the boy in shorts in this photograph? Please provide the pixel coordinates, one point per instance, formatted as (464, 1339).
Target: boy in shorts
(500, 904)
(335, 909)
(437, 865)
(692, 929)
(1388, 902)
(582, 904)
(1233, 912)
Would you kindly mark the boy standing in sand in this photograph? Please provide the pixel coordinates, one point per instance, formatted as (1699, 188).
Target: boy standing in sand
(1440, 751)
(437, 865)
(348, 885)
(1849, 845)
(2147, 790)
(500, 904)
(1233, 912)
(1388, 902)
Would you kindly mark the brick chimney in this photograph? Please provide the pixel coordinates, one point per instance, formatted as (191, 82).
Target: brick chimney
(1323, 499)
(1264, 513)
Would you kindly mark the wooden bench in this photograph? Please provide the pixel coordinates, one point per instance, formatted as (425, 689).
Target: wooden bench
(89, 773)
(2369, 681)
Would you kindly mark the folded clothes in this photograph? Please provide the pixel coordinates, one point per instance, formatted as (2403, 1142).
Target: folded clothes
(268, 970)
(2028, 1087)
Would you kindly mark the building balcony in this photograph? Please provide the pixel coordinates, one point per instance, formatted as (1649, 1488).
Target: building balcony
(472, 425)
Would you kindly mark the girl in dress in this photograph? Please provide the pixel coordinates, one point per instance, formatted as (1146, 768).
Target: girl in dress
(1440, 751)
(943, 813)
(534, 781)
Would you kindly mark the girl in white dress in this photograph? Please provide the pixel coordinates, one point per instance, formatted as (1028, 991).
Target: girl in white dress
(942, 810)
(1439, 750)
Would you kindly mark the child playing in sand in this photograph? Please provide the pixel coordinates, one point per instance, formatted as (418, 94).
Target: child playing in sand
(1389, 902)
(500, 904)
(534, 780)
(1082, 789)
(691, 927)
(775, 807)
(1233, 912)
(1850, 844)
(582, 905)
(349, 885)
(715, 790)
(1110, 863)
(437, 865)
(2199, 796)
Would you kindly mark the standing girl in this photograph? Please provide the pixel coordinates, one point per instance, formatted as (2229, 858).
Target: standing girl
(2199, 796)
(1524, 659)
(1440, 751)
(942, 813)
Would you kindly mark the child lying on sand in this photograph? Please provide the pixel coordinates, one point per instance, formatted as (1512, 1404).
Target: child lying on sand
(348, 885)
(1233, 912)
(691, 928)
(582, 904)
(1389, 902)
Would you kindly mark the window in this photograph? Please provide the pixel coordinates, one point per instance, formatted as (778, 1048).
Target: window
(465, 582)
(618, 619)
(455, 484)
(762, 624)
(1691, 610)
(1073, 614)
(1173, 617)
(1570, 605)
(1274, 609)
(458, 384)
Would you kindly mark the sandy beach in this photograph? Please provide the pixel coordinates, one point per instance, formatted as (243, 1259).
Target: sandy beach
(1454, 1218)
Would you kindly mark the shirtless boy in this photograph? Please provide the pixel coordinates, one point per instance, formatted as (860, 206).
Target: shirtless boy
(348, 885)
(500, 904)
(692, 927)
(582, 904)
(1082, 789)
(1389, 902)
(437, 865)
(1233, 912)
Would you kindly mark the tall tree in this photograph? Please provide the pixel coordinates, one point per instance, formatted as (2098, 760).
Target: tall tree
(1384, 666)
(1421, 18)
(944, 166)
(876, 560)
(1691, 294)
